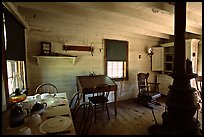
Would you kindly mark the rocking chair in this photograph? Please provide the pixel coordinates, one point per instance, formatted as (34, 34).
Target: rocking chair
(146, 96)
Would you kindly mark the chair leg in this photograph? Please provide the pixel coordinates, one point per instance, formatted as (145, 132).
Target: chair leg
(107, 111)
(157, 103)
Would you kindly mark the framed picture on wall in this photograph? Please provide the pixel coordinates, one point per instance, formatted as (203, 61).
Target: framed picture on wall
(46, 48)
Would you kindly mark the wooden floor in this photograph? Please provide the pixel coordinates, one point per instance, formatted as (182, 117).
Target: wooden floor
(132, 119)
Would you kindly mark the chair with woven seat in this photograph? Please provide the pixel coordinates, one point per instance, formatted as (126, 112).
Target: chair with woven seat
(83, 118)
(75, 101)
(46, 88)
(148, 95)
(100, 98)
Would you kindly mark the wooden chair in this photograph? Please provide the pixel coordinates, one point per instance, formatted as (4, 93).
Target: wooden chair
(83, 118)
(75, 101)
(100, 98)
(146, 96)
(46, 88)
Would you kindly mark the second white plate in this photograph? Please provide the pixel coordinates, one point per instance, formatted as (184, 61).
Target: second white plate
(55, 125)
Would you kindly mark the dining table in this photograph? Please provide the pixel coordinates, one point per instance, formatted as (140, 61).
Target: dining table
(86, 84)
(59, 110)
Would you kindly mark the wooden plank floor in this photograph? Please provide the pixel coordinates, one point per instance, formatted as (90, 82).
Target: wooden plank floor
(132, 119)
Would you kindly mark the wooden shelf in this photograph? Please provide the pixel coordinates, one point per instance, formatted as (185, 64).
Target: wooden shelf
(73, 58)
(171, 53)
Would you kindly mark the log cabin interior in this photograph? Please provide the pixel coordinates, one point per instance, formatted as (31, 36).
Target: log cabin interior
(55, 42)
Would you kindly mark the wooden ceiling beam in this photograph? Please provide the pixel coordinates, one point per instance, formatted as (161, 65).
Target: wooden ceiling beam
(88, 20)
(150, 18)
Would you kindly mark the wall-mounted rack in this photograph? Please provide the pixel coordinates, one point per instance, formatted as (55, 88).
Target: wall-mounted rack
(78, 48)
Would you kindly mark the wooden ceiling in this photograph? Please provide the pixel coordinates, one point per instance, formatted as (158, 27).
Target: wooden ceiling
(154, 19)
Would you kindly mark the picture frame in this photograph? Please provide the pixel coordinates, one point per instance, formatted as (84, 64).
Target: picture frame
(45, 48)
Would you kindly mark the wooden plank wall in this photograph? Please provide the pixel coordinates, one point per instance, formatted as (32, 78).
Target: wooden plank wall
(61, 72)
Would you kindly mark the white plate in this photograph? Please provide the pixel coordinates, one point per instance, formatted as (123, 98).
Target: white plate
(46, 96)
(55, 125)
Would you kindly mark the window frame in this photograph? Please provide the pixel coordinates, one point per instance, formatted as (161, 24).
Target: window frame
(106, 61)
(16, 67)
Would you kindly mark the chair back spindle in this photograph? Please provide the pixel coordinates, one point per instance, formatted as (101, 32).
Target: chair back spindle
(83, 118)
(75, 101)
(46, 88)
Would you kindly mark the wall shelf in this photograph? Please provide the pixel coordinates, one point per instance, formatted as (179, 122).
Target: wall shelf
(73, 58)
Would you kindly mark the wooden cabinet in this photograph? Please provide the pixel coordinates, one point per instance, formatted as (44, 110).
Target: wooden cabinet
(168, 59)
(191, 53)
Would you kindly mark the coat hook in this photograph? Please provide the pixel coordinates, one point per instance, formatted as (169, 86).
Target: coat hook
(64, 47)
(92, 49)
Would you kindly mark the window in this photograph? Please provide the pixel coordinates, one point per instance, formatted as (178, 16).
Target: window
(13, 47)
(116, 59)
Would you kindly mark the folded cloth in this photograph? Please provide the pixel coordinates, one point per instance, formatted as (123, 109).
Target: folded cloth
(55, 101)
(56, 111)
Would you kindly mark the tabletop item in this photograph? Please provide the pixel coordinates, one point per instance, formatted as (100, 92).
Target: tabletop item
(46, 96)
(35, 119)
(38, 107)
(25, 131)
(17, 96)
(28, 103)
(37, 97)
(16, 116)
(55, 125)
(54, 101)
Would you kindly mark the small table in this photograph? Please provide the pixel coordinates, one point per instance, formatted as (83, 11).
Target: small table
(86, 84)
(7, 130)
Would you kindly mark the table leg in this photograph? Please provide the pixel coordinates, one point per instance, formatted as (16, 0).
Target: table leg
(83, 97)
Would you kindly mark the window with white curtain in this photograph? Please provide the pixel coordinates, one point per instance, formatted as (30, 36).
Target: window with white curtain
(16, 75)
